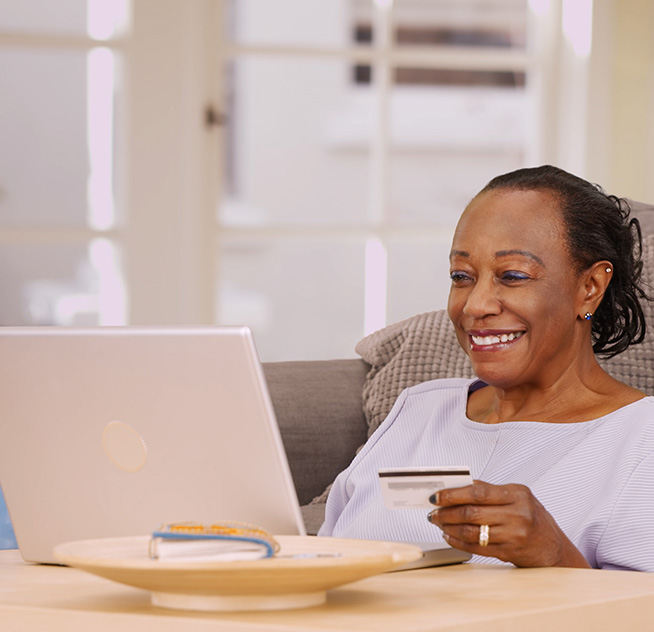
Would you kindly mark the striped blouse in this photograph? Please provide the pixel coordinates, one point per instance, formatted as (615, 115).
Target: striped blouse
(595, 477)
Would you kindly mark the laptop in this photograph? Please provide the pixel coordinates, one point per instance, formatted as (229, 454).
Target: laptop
(113, 431)
(108, 432)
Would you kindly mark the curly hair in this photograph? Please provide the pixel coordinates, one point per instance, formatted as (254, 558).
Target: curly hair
(598, 228)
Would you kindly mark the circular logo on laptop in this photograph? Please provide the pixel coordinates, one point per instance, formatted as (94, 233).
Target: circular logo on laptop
(124, 446)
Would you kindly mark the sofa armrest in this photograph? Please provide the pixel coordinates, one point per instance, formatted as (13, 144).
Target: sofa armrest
(319, 410)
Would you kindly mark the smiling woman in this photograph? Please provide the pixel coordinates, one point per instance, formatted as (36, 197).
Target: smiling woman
(512, 275)
(545, 272)
(516, 276)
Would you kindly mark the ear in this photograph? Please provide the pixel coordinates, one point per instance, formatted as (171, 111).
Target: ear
(594, 282)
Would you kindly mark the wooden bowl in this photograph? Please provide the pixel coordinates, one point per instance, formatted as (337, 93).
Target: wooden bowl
(298, 577)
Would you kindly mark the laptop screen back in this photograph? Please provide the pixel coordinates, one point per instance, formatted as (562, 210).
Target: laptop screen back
(113, 431)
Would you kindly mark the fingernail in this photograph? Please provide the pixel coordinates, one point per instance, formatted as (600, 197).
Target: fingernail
(433, 499)
(429, 517)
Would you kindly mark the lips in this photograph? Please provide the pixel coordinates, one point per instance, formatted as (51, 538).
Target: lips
(489, 340)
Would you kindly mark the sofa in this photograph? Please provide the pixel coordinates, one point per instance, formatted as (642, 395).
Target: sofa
(327, 409)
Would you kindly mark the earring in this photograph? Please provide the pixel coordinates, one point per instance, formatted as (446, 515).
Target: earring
(609, 270)
(588, 315)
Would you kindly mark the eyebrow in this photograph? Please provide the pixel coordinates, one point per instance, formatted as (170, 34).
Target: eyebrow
(524, 253)
(504, 253)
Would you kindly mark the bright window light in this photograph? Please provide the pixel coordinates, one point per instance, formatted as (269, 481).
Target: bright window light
(577, 22)
(111, 295)
(540, 7)
(100, 132)
(106, 18)
(375, 286)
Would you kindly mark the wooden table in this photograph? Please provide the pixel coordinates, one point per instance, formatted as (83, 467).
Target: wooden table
(459, 598)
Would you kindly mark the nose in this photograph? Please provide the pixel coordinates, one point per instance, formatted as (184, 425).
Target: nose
(482, 300)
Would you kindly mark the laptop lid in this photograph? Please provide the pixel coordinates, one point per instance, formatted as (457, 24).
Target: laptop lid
(115, 430)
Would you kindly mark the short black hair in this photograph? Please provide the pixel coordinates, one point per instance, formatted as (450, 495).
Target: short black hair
(598, 227)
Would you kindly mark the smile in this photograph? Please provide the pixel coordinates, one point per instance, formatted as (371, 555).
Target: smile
(496, 339)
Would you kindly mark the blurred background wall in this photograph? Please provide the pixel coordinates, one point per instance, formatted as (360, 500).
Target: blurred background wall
(294, 165)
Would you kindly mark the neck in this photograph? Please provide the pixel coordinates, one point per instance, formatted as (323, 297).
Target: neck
(584, 392)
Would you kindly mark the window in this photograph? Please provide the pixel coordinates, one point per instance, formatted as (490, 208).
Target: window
(60, 193)
(167, 162)
(356, 136)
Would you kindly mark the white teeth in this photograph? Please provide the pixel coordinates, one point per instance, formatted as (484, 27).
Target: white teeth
(484, 341)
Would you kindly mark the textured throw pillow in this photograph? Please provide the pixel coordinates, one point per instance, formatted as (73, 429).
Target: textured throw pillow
(415, 350)
(635, 366)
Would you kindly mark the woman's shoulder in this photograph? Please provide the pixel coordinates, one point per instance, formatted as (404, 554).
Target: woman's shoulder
(641, 408)
(620, 399)
(629, 425)
(422, 399)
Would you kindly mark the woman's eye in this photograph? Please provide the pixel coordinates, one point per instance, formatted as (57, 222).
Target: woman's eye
(512, 276)
(459, 277)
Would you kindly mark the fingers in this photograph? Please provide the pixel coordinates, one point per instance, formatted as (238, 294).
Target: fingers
(483, 503)
(464, 523)
(479, 493)
(463, 510)
(471, 535)
(520, 529)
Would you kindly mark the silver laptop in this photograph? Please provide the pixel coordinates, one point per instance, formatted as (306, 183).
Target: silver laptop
(112, 431)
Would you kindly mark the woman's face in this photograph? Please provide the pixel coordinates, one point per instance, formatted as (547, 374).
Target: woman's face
(515, 293)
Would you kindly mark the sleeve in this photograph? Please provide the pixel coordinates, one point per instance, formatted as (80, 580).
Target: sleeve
(336, 502)
(626, 544)
(339, 494)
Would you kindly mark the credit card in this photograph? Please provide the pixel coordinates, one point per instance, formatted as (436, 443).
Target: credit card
(411, 487)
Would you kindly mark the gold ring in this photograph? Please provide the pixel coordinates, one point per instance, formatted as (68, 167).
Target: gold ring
(484, 535)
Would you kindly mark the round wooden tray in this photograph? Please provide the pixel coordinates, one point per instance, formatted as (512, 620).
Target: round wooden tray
(299, 576)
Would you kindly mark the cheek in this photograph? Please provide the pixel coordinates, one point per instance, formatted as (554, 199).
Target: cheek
(454, 306)
(547, 312)
(549, 300)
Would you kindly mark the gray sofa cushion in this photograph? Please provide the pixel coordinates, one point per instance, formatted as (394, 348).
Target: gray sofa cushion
(320, 417)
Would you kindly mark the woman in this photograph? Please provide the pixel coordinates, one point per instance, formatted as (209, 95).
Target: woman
(545, 274)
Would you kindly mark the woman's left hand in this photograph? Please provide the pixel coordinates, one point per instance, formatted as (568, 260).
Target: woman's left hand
(520, 529)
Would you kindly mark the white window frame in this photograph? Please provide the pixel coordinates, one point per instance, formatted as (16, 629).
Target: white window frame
(384, 56)
(51, 234)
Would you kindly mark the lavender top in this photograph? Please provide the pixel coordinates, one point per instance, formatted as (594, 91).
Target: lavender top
(595, 477)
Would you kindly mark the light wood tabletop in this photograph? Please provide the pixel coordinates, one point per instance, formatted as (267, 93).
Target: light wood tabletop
(462, 598)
